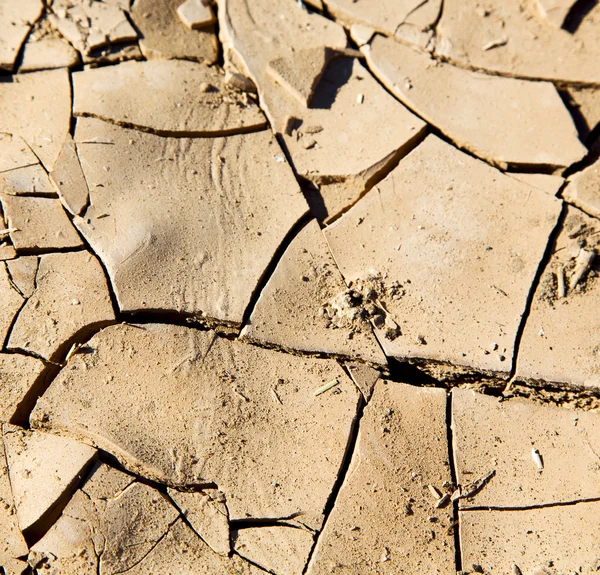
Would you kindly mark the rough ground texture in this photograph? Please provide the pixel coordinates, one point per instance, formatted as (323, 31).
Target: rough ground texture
(299, 287)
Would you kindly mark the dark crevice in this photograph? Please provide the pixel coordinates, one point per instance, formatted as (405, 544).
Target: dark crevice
(251, 522)
(220, 52)
(533, 507)
(343, 472)
(548, 252)
(577, 14)
(583, 129)
(454, 479)
(404, 372)
(45, 251)
(273, 263)
(177, 134)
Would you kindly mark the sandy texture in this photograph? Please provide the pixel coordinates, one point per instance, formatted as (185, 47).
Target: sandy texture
(385, 518)
(510, 130)
(426, 230)
(301, 306)
(16, 19)
(202, 249)
(561, 342)
(188, 99)
(251, 426)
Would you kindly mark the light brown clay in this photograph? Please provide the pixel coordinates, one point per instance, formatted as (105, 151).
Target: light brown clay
(23, 274)
(15, 153)
(37, 107)
(451, 281)
(44, 469)
(165, 36)
(544, 182)
(68, 179)
(515, 40)
(298, 307)
(11, 301)
(500, 436)
(71, 299)
(550, 540)
(47, 54)
(380, 521)
(38, 223)
(206, 512)
(192, 252)
(196, 14)
(280, 549)
(18, 375)
(514, 132)
(365, 378)
(30, 180)
(16, 19)
(234, 432)
(555, 11)
(583, 190)
(188, 99)
(13, 549)
(560, 342)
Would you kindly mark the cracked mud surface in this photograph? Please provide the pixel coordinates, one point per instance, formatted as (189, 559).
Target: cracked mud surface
(299, 287)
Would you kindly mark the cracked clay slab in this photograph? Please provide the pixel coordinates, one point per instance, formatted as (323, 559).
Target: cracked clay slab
(44, 469)
(501, 120)
(583, 190)
(164, 36)
(547, 541)
(13, 549)
(352, 130)
(37, 107)
(513, 39)
(18, 375)
(187, 99)
(11, 301)
(539, 454)
(187, 225)
(47, 54)
(561, 339)
(450, 247)
(16, 19)
(298, 308)
(386, 518)
(71, 299)
(251, 425)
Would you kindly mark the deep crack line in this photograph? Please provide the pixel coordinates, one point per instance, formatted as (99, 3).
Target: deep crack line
(453, 476)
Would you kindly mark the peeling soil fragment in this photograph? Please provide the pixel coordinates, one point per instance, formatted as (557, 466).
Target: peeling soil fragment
(16, 19)
(583, 190)
(18, 375)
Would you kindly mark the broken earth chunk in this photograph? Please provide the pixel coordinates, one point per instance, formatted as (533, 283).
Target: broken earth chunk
(69, 180)
(15, 153)
(538, 541)
(364, 377)
(71, 299)
(387, 18)
(450, 247)
(583, 190)
(19, 374)
(234, 433)
(11, 302)
(511, 39)
(206, 512)
(37, 107)
(587, 101)
(30, 180)
(561, 341)
(515, 131)
(381, 521)
(23, 272)
(13, 548)
(196, 13)
(16, 19)
(300, 71)
(279, 549)
(298, 307)
(165, 36)
(44, 470)
(91, 24)
(38, 223)
(188, 99)
(493, 435)
(202, 248)
(125, 526)
(361, 128)
(555, 11)
(46, 54)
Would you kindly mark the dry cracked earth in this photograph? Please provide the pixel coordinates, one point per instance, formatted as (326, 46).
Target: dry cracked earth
(299, 287)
